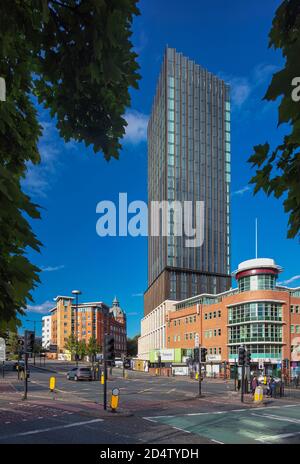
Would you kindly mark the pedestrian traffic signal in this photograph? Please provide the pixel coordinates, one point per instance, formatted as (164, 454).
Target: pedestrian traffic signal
(29, 340)
(242, 356)
(109, 347)
(203, 354)
(248, 358)
(196, 354)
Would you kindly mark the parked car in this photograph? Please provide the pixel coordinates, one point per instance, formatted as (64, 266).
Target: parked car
(80, 373)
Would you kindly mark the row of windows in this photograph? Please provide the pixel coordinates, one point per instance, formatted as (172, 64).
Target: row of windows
(214, 350)
(212, 315)
(255, 332)
(212, 333)
(295, 309)
(295, 329)
(255, 311)
(188, 320)
(257, 282)
(275, 350)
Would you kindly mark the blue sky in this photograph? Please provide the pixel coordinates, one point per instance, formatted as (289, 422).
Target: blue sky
(228, 38)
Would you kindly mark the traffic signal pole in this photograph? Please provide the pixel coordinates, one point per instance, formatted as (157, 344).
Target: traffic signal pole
(105, 375)
(243, 383)
(199, 376)
(25, 376)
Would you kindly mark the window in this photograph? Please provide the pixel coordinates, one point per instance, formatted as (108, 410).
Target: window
(219, 331)
(215, 314)
(297, 310)
(205, 316)
(210, 315)
(220, 350)
(215, 332)
(297, 329)
(292, 329)
(219, 313)
(292, 309)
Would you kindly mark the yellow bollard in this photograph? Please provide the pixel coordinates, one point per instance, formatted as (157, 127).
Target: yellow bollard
(258, 394)
(197, 376)
(52, 383)
(114, 401)
(102, 378)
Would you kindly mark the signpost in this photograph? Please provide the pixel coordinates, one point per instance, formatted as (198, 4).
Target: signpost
(2, 354)
(197, 345)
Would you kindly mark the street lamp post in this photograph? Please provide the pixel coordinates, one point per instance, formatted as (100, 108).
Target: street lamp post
(76, 293)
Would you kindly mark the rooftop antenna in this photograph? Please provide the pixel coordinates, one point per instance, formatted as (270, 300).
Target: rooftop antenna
(256, 238)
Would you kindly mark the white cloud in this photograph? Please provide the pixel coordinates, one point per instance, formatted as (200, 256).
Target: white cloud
(52, 268)
(240, 90)
(263, 72)
(136, 130)
(242, 87)
(289, 281)
(42, 308)
(241, 191)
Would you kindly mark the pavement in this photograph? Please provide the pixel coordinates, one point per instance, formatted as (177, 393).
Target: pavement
(158, 410)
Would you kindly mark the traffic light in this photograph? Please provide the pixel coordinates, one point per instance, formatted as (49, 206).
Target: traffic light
(203, 354)
(21, 345)
(109, 348)
(242, 356)
(29, 339)
(248, 358)
(196, 354)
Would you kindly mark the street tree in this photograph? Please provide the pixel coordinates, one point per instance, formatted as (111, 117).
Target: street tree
(278, 169)
(82, 351)
(132, 346)
(75, 58)
(71, 345)
(93, 347)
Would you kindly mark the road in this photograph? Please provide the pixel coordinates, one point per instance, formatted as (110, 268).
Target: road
(152, 410)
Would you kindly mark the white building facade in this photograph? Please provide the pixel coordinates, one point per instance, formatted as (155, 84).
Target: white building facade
(153, 329)
(46, 331)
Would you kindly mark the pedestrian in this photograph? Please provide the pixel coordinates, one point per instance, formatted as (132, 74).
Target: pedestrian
(272, 387)
(254, 384)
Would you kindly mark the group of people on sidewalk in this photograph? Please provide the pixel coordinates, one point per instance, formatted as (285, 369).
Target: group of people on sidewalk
(268, 383)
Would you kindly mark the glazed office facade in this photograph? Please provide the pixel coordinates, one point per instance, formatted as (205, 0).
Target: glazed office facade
(189, 160)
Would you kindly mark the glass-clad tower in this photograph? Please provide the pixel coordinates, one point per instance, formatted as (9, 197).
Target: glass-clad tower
(189, 159)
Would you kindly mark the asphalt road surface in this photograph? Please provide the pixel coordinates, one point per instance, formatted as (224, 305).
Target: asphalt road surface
(153, 410)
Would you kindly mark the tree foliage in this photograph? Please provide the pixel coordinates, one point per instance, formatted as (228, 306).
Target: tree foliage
(93, 347)
(76, 58)
(278, 170)
(71, 345)
(132, 346)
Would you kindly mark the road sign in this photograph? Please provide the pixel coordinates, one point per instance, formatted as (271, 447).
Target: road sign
(197, 341)
(260, 365)
(2, 350)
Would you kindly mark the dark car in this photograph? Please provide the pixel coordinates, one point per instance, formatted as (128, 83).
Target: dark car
(80, 373)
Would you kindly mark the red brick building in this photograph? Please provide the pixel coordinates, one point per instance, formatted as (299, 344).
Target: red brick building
(260, 314)
(92, 319)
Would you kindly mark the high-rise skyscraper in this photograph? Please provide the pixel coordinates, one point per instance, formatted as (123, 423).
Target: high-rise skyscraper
(189, 160)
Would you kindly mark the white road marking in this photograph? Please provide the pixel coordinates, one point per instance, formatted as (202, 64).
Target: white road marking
(279, 418)
(222, 412)
(49, 429)
(182, 430)
(216, 441)
(277, 437)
